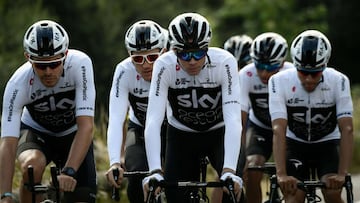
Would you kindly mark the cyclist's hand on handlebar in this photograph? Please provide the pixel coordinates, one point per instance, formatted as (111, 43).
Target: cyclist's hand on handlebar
(334, 181)
(111, 178)
(156, 176)
(66, 183)
(288, 184)
(238, 183)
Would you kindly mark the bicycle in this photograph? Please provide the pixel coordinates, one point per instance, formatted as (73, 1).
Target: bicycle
(269, 168)
(47, 190)
(310, 187)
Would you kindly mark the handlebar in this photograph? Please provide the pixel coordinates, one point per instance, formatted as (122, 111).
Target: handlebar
(153, 184)
(115, 195)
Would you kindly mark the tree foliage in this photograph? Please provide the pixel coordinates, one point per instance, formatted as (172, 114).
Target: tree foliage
(98, 26)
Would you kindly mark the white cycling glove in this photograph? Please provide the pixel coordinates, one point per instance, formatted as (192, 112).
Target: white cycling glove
(155, 176)
(233, 177)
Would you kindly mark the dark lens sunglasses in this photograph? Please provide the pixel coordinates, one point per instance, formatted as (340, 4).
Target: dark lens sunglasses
(188, 55)
(267, 67)
(140, 59)
(43, 65)
(313, 74)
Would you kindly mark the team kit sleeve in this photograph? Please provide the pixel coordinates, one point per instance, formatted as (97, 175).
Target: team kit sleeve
(14, 99)
(156, 112)
(231, 112)
(344, 105)
(85, 86)
(244, 90)
(277, 105)
(118, 107)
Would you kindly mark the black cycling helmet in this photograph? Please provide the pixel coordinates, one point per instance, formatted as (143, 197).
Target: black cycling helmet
(310, 51)
(145, 35)
(189, 31)
(269, 48)
(239, 46)
(45, 38)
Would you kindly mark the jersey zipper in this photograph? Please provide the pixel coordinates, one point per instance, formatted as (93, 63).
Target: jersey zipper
(309, 118)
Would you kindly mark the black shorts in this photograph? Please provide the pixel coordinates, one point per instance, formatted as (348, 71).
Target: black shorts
(56, 150)
(322, 158)
(260, 142)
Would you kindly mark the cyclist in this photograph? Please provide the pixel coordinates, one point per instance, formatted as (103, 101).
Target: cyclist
(145, 41)
(311, 110)
(268, 52)
(48, 115)
(239, 46)
(198, 87)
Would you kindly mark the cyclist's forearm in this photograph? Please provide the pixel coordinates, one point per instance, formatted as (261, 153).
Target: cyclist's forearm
(7, 163)
(279, 145)
(80, 144)
(346, 144)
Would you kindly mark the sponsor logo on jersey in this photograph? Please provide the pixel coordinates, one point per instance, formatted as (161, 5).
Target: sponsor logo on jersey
(117, 84)
(181, 81)
(139, 106)
(11, 104)
(158, 81)
(55, 112)
(84, 83)
(227, 67)
(273, 88)
(312, 124)
(140, 90)
(198, 108)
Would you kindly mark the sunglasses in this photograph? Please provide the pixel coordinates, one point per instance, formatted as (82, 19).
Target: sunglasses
(313, 74)
(43, 65)
(267, 67)
(188, 55)
(140, 59)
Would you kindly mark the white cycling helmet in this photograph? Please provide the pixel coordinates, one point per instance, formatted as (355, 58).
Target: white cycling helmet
(45, 38)
(145, 35)
(310, 51)
(269, 48)
(239, 46)
(189, 31)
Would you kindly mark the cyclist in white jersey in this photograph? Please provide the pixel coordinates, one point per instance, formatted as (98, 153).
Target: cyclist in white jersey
(268, 52)
(239, 46)
(145, 41)
(199, 89)
(48, 115)
(311, 111)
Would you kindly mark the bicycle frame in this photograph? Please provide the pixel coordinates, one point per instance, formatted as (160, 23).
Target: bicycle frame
(43, 189)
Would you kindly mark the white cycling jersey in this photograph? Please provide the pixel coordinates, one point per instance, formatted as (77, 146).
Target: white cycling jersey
(129, 91)
(311, 116)
(254, 95)
(49, 110)
(199, 103)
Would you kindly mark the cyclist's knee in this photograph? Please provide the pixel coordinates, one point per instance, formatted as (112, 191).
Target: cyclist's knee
(255, 160)
(81, 194)
(32, 157)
